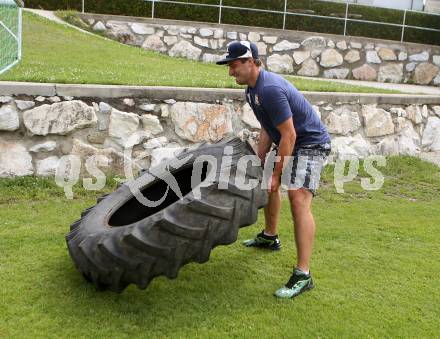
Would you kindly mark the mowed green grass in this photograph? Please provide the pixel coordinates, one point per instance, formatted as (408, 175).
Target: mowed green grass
(55, 53)
(376, 267)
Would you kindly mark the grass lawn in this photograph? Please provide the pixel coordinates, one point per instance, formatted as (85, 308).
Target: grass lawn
(55, 53)
(376, 266)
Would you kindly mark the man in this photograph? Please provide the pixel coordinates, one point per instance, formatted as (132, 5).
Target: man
(288, 120)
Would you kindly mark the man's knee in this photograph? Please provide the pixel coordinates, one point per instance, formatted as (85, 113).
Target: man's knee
(300, 199)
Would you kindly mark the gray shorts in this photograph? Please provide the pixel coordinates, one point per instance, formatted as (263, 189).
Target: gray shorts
(305, 167)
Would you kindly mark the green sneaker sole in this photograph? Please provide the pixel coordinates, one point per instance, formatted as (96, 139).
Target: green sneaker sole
(288, 293)
(266, 244)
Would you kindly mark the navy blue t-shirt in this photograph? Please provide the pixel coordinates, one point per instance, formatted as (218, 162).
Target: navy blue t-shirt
(274, 99)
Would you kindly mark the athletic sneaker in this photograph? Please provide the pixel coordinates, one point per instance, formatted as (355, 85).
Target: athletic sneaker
(298, 283)
(271, 242)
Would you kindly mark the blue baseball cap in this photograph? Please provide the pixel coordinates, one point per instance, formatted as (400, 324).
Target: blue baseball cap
(239, 50)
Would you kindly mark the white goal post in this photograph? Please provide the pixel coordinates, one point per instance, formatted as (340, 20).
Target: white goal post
(10, 33)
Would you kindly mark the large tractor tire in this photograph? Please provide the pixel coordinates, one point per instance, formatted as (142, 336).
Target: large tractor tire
(121, 241)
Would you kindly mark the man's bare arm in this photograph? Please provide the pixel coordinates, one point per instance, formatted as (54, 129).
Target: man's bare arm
(286, 146)
(264, 144)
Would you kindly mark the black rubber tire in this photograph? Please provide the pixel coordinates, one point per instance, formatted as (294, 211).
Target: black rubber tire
(113, 248)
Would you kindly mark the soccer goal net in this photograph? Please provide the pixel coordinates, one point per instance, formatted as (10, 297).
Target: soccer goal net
(10, 33)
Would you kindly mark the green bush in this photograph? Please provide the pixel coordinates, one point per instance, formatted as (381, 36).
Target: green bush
(54, 4)
(272, 20)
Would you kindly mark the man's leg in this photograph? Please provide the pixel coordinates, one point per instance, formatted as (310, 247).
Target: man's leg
(306, 172)
(268, 239)
(272, 212)
(304, 226)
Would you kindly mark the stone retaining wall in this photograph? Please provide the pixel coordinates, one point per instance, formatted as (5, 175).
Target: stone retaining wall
(39, 123)
(288, 52)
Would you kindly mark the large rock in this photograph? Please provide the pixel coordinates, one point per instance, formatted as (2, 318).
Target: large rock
(402, 56)
(331, 58)
(231, 35)
(198, 122)
(8, 118)
(349, 147)
(59, 118)
(47, 146)
(336, 73)
(15, 160)
(47, 167)
(400, 123)
(390, 73)
(201, 41)
(249, 118)
(309, 68)
(314, 42)
(387, 54)
(409, 140)
(219, 34)
(414, 113)
(154, 43)
(216, 43)
(424, 73)
(373, 58)
(280, 63)
(158, 155)
(423, 56)
(170, 39)
(285, 46)
(431, 135)
(155, 143)
(184, 49)
(342, 45)
(315, 53)
(99, 27)
(104, 108)
(205, 32)
(254, 36)
(410, 66)
(85, 151)
(121, 32)
(262, 48)
(123, 126)
(352, 56)
(387, 146)
(356, 45)
(365, 72)
(96, 137)
(23, 105)
(342, 121)
(4, 99)
(270, 39)
(378, 122)
(300, 56)
(400, 112)
(151, 123)
(142, 29)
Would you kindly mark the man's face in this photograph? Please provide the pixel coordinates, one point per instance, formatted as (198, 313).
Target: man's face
(241, 71)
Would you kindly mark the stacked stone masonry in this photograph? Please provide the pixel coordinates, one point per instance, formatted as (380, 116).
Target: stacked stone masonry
(287, 52)
(36, 131)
